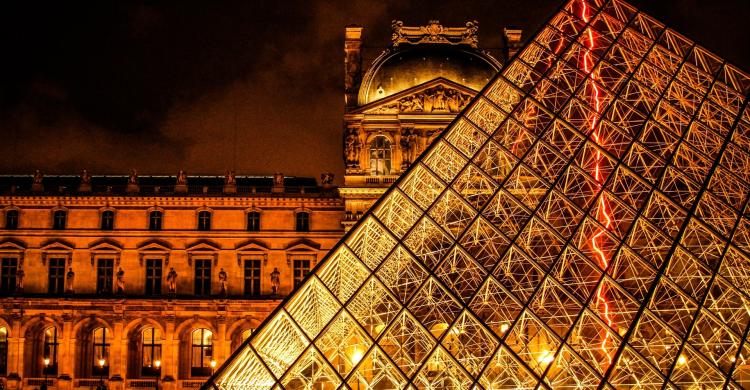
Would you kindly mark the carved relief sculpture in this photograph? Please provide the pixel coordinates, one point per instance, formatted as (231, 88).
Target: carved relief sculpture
(437, 99)
(275, 281)
(172, 281)
(70, 278)
(434, 32)
(352, 148)
(223, 281)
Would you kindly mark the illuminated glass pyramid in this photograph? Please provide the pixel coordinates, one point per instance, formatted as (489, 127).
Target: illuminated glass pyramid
(582, 224)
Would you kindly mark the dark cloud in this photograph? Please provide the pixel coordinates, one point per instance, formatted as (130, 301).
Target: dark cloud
(206, 86)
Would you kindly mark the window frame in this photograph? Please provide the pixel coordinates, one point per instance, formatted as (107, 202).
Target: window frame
(8, 272)
(302, 221)
(107, 220)
(255, 281)
(59, 219)
(153, 283)
(56, 281)
(386, 147)
(16, 217)
(204, 220)
(105, 346)
(50, 350)
(155, 220)
(4, 350)
(297, 275)
(203, 281)
(102, 282)
(155, 352)
(255, 217)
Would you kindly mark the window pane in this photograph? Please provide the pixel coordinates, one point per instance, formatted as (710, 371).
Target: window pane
(8, 269)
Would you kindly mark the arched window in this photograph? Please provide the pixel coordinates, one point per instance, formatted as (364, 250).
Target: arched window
(59, 219)
(380, 156)
(11, 219)
(240, 337)
(201, 352)
(50, 350)
(3, 351)
(151, 352)
(102, 338)
(302, 221)
(108, 220)
(253, 221)
(154, 220)
(204, 220)
(247, 333)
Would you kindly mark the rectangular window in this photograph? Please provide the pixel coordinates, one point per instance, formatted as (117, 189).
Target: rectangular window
(252, 277)
(253, 221)
(56, 279)
(302, 222)
(203, 277)
(108, 220)
(154, 220)
(11, 219)
(8, 270)
(301, 269)
(153, 276)
(105, 269)
(204, 220)
(59, 219)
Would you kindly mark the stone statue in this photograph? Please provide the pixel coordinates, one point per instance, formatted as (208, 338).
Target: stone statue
(133, 178)
(397, 25)
(38, 176)
(20, 275)
(439, 102)
(172, 281)
(326, 178)
(275, 281)
(181, 177)
(70, 278)
(278, 179)
(85, 177)
(223, 282)
(120, 282)
(454, 101)
(229, 178)
(352, 147)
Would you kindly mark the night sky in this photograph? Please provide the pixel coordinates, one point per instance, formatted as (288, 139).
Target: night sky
(256, 86)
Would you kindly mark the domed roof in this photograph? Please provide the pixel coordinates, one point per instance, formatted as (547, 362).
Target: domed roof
(402, 68)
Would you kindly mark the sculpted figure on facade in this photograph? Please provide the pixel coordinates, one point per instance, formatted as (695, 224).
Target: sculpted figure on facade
(275, 281)
(223, 282)
(120, 282)
(229, 178)
(352, 148)
(172, 281)
(70, 278)
(20, 276)
(133, 177)
(38, 176)
(326, 178)
(181, 177)
(85, 177)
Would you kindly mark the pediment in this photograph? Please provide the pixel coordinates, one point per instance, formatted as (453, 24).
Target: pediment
(154, 246)
(11, 245)
(252, 245)
(203, 246)
(105, 245)
(57, 245)
(303, 245)
(438, 96)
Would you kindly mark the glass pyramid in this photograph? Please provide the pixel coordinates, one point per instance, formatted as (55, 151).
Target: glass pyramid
(582, 224)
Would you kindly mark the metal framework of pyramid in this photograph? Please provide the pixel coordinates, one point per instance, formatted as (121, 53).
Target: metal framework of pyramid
(582, 224)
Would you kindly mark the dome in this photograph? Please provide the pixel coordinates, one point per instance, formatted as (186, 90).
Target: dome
(401, 69)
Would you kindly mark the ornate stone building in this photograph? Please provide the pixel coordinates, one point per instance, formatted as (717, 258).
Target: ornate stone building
(405, 98)
(133, 271)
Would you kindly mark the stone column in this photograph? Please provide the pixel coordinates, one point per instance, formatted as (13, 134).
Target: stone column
(15, 353)
(116, 363)
(66, 355)
(170, 357)
(352, 64)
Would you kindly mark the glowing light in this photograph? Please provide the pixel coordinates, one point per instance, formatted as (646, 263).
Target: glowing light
(546, 357)
(356, 356)
(602, 214)
(46, 362)
(101, 362)
(504, 328)
(681, 360)
(157, 363)
(212, 363)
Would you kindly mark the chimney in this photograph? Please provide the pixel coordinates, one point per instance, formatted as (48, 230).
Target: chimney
(352, 64)
(512, 39)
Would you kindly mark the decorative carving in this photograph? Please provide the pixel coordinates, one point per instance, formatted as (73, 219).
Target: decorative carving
(275, 281)
(172, 281)
(434, 32)
(223, 282)
(133, 177)
(438, 99)
(409, 147)
(352, 147)
(326, 179)
(182, 177)
(38, 176)
(70, 278)
(85, 177)
(120, 282)
(20, 276)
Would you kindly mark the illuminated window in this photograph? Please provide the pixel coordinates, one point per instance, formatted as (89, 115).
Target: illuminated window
(108, 220)
(252, 277)
(153, 276)
(201, 352)
(50, 350)
(301, 269)
(203, 277)
(101, 351)
(56, 277)
(302, 223)
(154, 220)
(11, 219)
(150, 351)
(59, 219)
(8, 269)
(380, 156)
(3, 350)
(204, 220)
(253, 221)
(105, 269)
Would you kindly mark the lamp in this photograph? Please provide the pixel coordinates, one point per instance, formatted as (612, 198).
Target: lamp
(157, 364)
(212, 363)
(101, 362)
(46, 373)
